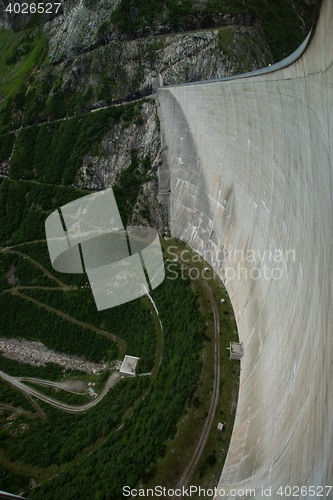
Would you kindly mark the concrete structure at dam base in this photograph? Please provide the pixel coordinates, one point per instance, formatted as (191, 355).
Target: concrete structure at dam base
(248, 165)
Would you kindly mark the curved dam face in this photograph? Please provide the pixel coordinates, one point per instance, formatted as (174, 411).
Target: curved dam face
(249, 165)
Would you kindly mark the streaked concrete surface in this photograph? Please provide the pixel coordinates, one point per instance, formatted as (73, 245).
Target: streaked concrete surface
(249, 165)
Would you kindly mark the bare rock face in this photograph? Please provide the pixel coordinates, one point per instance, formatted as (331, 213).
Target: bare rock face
(77, 27)
(10, 276)
(85, 57)
(35, 353)
(100, 171)
(130, 66)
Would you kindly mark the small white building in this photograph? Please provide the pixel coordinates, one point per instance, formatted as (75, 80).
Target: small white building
(92, 392)
(236, 350)
(128, 366)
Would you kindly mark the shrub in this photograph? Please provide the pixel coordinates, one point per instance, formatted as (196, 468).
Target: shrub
(6, 145)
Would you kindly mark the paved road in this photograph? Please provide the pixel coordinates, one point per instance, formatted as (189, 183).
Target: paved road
(18, 382)
(15, 381)
(70, 385)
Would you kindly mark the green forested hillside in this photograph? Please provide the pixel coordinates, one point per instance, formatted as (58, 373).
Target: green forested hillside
(34, 89)
(284, 21)
(128, 454)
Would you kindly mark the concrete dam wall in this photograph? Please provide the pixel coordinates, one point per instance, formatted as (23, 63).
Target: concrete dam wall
(248, 164)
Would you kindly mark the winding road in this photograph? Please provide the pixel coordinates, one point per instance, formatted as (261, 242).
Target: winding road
(16, 382)
(29, 392)
(64, 287)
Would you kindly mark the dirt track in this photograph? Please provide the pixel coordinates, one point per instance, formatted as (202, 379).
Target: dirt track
(63, 286)
(188, 472)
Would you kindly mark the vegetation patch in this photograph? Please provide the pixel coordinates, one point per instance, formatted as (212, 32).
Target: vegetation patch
(12, 397)
(127, 454)
(130, 453)
(61, 395)
(59, 438)
(38, 251)
(50, 371)
(21, 54)
(15, 270)
(53, 153)
(180, 450)
(132, 323)
(11, 481)
(226, 36)
(6, 145)
(128, 184)
(24, 206)
(21, 318)
(282, 19)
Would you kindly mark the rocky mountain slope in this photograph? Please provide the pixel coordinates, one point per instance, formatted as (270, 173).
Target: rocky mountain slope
(88, 55)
